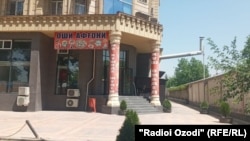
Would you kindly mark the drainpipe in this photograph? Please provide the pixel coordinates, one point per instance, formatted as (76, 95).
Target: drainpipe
(93, 77)
(170, 56)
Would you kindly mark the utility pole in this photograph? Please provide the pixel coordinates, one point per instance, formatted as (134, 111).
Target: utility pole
(203, 53)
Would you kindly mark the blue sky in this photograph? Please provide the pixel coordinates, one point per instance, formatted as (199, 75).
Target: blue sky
(184, 21)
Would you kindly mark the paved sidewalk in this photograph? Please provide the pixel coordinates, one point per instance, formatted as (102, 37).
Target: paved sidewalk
(85, 126)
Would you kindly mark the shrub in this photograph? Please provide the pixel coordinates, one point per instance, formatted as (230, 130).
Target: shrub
(225, 109)
(204, 105)
(178, 88)
(123, 105)
(127, 131)
(167, 104)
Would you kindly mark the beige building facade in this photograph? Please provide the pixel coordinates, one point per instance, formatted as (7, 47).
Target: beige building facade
(61, 54)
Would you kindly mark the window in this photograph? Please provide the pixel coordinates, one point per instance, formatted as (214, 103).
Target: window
(67, 72)
(124, 73)
(16, 7)
(56, 7)
(80, 6)
(114, 6)
(14, 66)
(143, 1)
(5, 44)
(123, 58)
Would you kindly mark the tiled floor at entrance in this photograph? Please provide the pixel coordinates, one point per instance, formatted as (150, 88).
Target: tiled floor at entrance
(84, 126)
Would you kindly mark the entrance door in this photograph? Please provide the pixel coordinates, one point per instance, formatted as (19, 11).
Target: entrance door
(126, 81)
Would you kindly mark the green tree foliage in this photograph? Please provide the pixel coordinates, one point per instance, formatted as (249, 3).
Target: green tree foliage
(187, 71)
(171, 81)
(127, 131)
(235, 66)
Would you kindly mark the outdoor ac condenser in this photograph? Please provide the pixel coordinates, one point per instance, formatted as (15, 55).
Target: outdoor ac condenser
(73, 93)
(22, 100)
(25, 91)
(71, 102)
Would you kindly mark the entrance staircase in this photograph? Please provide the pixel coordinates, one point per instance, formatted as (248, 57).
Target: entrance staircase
(140, 104)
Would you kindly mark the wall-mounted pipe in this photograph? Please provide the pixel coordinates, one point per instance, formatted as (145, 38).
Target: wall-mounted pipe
(170, 56)
(93, 77)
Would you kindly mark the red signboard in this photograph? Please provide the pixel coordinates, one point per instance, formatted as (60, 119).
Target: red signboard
(81, 40)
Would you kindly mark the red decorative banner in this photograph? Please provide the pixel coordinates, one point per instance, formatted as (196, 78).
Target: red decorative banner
(81, 40)
(155, 73)
(114, 69)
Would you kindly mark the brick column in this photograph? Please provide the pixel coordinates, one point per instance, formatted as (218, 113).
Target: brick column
(114, 53)
(155, 98)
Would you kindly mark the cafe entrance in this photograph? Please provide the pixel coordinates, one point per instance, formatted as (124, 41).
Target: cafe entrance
(126, 78)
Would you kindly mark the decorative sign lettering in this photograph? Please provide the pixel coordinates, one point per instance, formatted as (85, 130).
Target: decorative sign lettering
(81, 40)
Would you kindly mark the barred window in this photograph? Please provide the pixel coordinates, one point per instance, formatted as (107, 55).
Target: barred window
(80, 6)
(56, 7)
(15, 7)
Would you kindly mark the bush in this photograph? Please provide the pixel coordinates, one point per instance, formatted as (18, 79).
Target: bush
(123, 105)
(204, 105)
(225, 109)
(178, 88)
(167, 104)
(127, 131)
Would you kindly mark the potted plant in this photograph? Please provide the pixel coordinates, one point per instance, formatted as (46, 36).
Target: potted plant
(225, 111)
(204, 106)
(167, 106)
(123, 107)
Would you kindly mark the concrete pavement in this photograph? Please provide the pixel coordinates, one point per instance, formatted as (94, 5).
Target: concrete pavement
(85, 126)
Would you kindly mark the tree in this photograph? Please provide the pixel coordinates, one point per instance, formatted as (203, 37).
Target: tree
(235, 66)
(171, 81)
(187, 71)
(127, 131)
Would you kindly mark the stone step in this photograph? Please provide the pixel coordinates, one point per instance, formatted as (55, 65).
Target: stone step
(139, 104)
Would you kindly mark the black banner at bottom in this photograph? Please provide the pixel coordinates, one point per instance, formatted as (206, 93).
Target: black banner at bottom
(203, 132)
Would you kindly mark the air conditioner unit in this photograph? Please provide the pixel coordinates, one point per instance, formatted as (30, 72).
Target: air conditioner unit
(71, 102)
(22, 100)
(73, 93)
(63, 51)
(24, 91)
